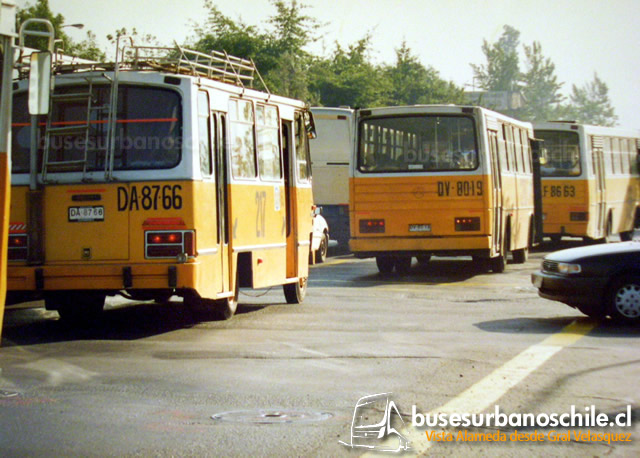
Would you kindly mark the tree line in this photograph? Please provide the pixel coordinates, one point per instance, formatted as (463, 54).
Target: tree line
(348, 75)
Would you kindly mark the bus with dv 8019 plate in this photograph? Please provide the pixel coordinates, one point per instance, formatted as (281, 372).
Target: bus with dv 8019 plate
(590, 180)
(161, 173)
(442, 180)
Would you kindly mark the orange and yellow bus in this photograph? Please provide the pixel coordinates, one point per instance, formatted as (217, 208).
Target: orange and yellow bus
(590, 180)
(441, 180)
(7, 36)
(159, 176)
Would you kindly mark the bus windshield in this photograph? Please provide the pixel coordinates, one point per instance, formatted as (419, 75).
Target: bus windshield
(562, 153)
(148, 129)
(427, 143)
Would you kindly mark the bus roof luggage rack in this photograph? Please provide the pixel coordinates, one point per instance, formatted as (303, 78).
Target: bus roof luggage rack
(217, 65)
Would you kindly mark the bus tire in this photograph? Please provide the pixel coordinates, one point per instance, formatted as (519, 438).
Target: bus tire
(323, 250)
(295, 293)
(226, 308)
(403, 264)
(626, 236)
(424, 259)
(520, 256)
(76, 306)
(623, 299)
(385, 264)
(498, 264)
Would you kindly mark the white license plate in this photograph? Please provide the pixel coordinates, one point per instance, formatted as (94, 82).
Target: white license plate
(420, 228)
(82, 214)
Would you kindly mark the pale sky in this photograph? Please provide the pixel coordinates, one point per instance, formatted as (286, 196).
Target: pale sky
(580, 36)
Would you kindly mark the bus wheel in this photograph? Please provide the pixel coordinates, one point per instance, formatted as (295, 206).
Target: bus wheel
(403, 264)
(76, 306)
(520, 256)
(385, 264)
(226, 308)
(624, 299)
(626, 236)
(295, 293)
(498, 264)
(424, 259)
(321, 254)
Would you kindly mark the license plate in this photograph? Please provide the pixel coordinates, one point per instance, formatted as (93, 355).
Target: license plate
(420, 228)
(84, 214)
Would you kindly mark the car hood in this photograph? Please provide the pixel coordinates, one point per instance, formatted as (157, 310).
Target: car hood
(575, 254)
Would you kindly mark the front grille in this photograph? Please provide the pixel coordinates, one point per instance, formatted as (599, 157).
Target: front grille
(549, 266)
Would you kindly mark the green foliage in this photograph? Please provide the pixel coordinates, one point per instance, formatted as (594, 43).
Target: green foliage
(590, 104)
(502, 71)
(541, 88)
(349, 76)
(412, 83)
(538, 85)
(86, 49)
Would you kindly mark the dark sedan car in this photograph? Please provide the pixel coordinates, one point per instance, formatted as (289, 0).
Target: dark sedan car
(598, 280)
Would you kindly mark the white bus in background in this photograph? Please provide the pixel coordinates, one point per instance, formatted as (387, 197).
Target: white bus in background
(330, 152)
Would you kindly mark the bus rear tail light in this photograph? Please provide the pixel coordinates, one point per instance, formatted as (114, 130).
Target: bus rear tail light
(18, 247)
(578, 216)
(170, 244)
(372, 226)
(463, 224)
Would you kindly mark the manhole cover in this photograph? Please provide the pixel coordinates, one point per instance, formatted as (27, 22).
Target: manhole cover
(269, 416)
(7, 394)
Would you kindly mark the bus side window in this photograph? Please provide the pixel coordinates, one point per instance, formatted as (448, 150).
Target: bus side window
(267, 124)
(517, 149)
(242, 141)
(503, 145)
(204, 133)
(607, 155)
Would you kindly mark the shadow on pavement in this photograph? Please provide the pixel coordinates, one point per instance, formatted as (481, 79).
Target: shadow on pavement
(547, 326)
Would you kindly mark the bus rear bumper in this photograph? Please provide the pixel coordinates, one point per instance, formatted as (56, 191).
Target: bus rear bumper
(479, 245)
(106, 277)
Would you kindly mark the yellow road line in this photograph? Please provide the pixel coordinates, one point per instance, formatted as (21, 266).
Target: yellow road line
(488, 390)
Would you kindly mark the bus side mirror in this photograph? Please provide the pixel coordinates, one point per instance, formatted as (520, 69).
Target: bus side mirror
(39, 83)
(310, 125)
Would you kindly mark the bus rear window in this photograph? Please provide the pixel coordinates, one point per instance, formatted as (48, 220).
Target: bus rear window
(561, 152)
(417, 143)
(148, 129)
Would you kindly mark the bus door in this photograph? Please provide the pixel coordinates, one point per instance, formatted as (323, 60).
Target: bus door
(222, 198)
(297, 197)
(496, 195)
(601, 202)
